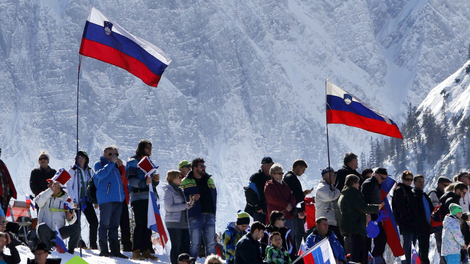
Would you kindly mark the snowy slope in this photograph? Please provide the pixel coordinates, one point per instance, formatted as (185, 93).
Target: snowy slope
(247, 80)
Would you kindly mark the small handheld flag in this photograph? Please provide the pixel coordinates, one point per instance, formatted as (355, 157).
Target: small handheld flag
(321, 253)
(344, 108)
(106, 41)
(154, 219)
(147, 166)
(59, 242)
(62, 176)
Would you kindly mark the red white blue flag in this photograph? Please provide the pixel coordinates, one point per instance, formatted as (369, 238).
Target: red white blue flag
(344, 108)
(106, 41)
(59, 242)
(321, 253)
(389, 224)
(28, 201)
(154, 219)
(414, 255)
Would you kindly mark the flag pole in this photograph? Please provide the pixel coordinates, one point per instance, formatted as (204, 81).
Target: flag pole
(79, 191)
(327, 136)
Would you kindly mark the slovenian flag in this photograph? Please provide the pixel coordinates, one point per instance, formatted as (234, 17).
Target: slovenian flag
(390, 226)
(414, 255)
(154, 219)
(59, 242)
(344, 108)
(106, 41)
(321, 253)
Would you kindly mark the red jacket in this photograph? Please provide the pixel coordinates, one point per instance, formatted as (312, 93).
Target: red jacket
(122, 170)
(278, 196)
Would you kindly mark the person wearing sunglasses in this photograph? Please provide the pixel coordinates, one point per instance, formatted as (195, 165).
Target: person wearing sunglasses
(277, 223)
(110, 195)
(401, 204)
(139, 186)
(371, 189)
(38, 180)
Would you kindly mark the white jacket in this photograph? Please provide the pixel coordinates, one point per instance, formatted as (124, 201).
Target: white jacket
(73, 184)
(326, 203)
(45, 201)
(465, 202)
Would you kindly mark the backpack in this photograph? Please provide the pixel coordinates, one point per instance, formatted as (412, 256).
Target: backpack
(436, 217)
(91, 191)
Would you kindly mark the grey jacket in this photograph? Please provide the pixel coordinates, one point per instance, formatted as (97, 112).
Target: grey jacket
(176, 214)
(326, 203)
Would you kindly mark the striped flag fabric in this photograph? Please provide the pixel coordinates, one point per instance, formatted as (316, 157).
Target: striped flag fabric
(344, 108)
(59, 242)
(106, 41)
(389, 225)
(154, 219)
(321, 253)
(28, 201)
(414, 255)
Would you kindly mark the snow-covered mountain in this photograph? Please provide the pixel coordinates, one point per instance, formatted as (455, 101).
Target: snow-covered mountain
(246, 81)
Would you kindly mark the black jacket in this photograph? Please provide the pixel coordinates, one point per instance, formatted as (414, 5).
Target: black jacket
(295, 186)
(341, 176)
(260, 179)
(37, 181)
(420, 223)
(248, 251)
(372, 193)
(401, 204)
(446, 199)
(14, 258)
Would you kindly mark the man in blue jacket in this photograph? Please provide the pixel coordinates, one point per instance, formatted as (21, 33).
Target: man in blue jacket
(321, 231)
(110, 195)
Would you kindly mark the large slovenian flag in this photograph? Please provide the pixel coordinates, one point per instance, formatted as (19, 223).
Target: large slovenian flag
(154, 219)
(59, 242)
(390, 226)
(106, 41)
(344, 108)
(321, 253)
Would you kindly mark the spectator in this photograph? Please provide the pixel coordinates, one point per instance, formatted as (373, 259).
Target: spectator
(276, 224)
(234, 232)
(349, 167)
(76, 188)
(124, 221)
(256, 204)
(322, 231)
(275, 254)
(326, 199)
(402, 210)
(213, 259)
(41, 252)
(352, 220)
(452, 239)
(14, 256)
(421, 208)
(292, 180)
(436, 193)
(185, 167)
(459, 191)
(176, 215)
(371, 189)
(248, 249)
(110, 195)
(278, 194)
(199, 185)
(7, 190)
(139, 197)
(464, 201)
(37, 181)
(184, 258)
(52, 215)
(366, 173)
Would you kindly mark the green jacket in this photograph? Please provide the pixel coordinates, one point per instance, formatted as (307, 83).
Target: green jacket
(277, 255)
(353, 210)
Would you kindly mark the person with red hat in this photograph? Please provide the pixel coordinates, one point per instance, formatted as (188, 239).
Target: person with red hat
(54, 212)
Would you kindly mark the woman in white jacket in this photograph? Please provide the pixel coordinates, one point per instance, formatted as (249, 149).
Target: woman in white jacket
(76, 187)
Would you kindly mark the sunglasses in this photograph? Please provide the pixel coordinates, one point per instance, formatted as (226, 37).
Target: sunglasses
(111, 154)
(202, 166)
(43, 158)
(282, 219)
(383, 178)
(279, 172)
(408, 179)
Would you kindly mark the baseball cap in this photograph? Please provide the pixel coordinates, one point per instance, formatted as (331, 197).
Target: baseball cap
(381, 171)
(267, 160)
(326, 170)
(184, 163)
